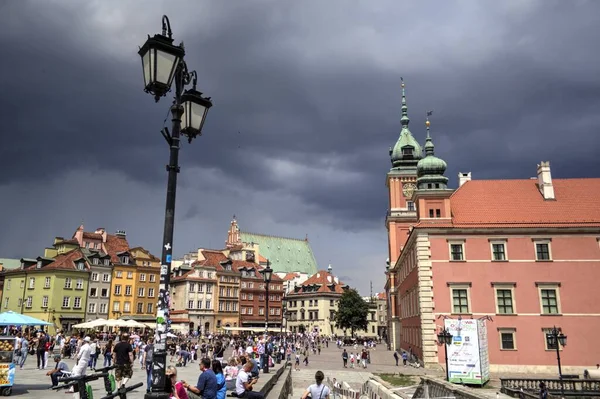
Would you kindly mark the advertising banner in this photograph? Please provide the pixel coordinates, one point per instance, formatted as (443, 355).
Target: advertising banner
(468, 361)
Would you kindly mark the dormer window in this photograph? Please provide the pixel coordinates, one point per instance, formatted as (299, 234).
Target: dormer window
(106, 262)
(80, 265)
(39, 264)
(125, 260)
(95, 261)
(228, 268)
(407, 152)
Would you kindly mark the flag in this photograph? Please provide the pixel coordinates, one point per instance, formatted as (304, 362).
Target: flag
(429, 113)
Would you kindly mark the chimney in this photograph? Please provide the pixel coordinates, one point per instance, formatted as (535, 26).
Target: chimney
(121, 234)
(463, 178)
(545, 180)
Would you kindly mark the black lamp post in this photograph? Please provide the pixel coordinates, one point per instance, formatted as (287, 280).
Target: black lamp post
(555, 339)
(163, 63)
(283, 317)
(445, 338)
(267, 274)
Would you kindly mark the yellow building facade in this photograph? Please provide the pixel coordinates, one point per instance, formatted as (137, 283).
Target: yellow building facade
(147, 284)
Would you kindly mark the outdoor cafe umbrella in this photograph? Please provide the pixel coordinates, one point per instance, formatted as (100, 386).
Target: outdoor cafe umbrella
(11, 318)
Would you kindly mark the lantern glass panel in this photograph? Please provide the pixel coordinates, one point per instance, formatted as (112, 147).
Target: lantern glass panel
(166, 64)
(146, 68)
(562, 339)
(267, 274)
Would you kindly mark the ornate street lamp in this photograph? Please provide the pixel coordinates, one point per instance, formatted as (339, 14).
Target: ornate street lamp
(163, 64)
(445, 338)
(555, 339)
(267, 274)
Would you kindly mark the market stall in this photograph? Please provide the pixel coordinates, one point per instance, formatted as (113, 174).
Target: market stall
(7, 347)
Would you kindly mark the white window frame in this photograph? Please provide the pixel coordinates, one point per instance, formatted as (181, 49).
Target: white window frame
(142, 277)
(153, 278)
(128, 290)
(103, 308)
(140, 308)
(45, 301)
(118, 289)
(106, 278)
(190, 304)
(130, 275)
(68, 300)
(141, 292)
(68, 283)
(47, 282)
(149, 308)
(547, 241)
(460, 286)
(31, 283)
(463, 253)
(549, 286)
(127, 307)
(116, 306)
(79, 284)
(150, 292)
(505, 286)
(498, 241)
(94, 276)
(92, 307)
(75, 304)
(29, 302)
(119, 274)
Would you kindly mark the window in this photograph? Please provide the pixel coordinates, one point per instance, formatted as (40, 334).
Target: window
(209, 288)
(192, 287)
(142, 277)
(140, 293)
(129, 275)
(542, 250)
(104, 293)
(95, 261)
(92, 308)
(127, 307)
(8, 284)
(39, 264)
(31, 282)
(261, 311)
(504, 299)
(208, 304)
(102, 308)
(438, 213)
(431, 213)
(97, 246)
(200, 287)
(80, 265)
(460, 298)
(22, 284)
(199, 304)
(140, 308)
(118, 289)
(68, 283)
(66, 301)
(79, 284)
(20, 302)
(149, 308)
(128, 290)
(46, 282)
(29, 302)
(550, 344)
(119, 274)
(410, 205)
(45, 301)
(105, 278)
(116, 306)
(77, 303)
(191, 304)
(106, 262)
(94, 276)
(152, 278)
(507, 339)
(150, 292)
(549, 298)
(93, 292)
(407, 151)
(457, 251)
(498, 250)
(125, 260)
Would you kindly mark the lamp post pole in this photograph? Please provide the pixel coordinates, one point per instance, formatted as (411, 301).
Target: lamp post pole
(557, 339)
(163, 63)
(267, 273)
(445, 338)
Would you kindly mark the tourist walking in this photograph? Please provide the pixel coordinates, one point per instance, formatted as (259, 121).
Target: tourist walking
(317, 390)
(123, 359)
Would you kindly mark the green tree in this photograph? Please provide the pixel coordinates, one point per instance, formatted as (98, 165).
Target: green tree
(352, 312)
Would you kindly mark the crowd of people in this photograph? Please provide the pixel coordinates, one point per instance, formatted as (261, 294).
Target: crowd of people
(226, 363)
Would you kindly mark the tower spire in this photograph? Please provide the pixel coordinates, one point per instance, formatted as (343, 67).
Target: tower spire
(404, 120)
(429, 147)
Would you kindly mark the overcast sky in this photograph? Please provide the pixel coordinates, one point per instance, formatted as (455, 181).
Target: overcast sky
(306, 105)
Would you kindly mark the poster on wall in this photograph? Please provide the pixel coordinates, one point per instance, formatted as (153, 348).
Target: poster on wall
(468, 361)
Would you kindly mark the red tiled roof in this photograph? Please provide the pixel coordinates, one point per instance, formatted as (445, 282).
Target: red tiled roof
(92, 236)
(238, 264)
(115, 245)
(262, 259)
(64, 261)
(325, 280)
(213, 258)
(291, 276)
(381, 295)
(519, 203)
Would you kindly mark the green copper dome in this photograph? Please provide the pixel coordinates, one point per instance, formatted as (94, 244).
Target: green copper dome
(430, 170)
(407, 150)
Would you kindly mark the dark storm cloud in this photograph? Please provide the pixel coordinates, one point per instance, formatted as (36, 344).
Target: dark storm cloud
(307, 102)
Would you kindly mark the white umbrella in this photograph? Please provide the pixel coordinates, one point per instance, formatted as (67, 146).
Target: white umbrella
(133, 324)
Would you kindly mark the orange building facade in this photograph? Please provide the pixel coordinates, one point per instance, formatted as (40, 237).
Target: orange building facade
(525, 254)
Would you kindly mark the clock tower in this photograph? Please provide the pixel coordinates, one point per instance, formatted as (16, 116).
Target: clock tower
(401, 182)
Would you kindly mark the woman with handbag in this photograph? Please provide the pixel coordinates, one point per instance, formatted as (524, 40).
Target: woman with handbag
(318, 390)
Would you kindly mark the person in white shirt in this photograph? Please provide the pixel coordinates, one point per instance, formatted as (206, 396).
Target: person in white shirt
(244, 384)
(83, 358)
(318, 390)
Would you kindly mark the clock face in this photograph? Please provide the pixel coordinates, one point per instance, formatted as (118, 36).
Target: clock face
(408, 189)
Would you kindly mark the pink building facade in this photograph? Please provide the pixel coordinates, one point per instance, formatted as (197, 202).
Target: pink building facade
(525, 253)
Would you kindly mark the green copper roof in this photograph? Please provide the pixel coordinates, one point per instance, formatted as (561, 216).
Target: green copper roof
(407, 150)
(285, 254)
(10, 264)
(431, 168)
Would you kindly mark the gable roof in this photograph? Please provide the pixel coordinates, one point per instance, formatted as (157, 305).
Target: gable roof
(114, 245)
(519, 203)
(321, 282)
(66, 261)
(284, 254)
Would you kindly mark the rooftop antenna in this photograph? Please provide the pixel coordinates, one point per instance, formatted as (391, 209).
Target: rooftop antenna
(371, 282)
